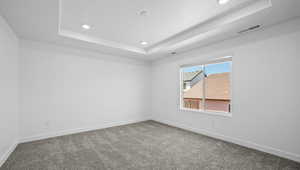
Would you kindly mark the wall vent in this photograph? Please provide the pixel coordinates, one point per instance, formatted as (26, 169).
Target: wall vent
(249, 29)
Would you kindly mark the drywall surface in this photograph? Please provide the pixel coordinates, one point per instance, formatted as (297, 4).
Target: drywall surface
(8, 89)
(66, 90)
(265, 91)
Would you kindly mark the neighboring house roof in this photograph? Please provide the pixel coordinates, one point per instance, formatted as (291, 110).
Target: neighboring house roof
(218, 87)
(188, 76)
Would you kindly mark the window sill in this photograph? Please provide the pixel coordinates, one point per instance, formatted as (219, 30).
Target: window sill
(213, 113)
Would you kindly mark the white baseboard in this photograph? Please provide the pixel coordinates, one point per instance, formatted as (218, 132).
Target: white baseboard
(7, 153)
(248, 144)
(77, 130)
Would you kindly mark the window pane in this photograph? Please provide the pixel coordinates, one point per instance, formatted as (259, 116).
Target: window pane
(217, 86)
(192, 84)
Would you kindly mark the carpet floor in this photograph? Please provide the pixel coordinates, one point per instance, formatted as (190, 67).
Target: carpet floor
(141, 146)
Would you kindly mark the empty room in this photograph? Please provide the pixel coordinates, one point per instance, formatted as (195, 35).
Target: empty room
(149, 84)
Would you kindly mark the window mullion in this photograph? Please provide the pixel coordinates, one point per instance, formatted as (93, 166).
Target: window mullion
(182, 103)
(203, 89)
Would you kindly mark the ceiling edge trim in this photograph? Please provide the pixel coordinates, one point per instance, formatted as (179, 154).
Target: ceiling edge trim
(107, 43)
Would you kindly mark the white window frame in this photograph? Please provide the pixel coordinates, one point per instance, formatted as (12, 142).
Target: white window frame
(209, 112)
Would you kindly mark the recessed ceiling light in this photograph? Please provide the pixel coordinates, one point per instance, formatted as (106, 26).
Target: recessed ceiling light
(222, 2)
(86, 27)
(143, 43)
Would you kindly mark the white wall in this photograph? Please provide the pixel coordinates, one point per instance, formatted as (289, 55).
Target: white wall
(265, 85)
(64, 90)
(8, 90)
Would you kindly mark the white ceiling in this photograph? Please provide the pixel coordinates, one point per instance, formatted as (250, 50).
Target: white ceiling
(117, 27)
(119, 20)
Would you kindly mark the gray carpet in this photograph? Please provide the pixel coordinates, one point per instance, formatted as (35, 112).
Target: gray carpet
(140, 146)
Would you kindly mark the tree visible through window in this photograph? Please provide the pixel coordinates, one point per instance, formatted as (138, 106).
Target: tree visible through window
(207, 87)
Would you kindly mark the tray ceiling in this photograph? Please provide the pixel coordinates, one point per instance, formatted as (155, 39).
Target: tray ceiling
(118, 27)
(124, 24)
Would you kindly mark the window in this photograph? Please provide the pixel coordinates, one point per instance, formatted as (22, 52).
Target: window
(207, 87)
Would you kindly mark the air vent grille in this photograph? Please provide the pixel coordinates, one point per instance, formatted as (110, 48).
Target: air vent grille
(249, 29)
